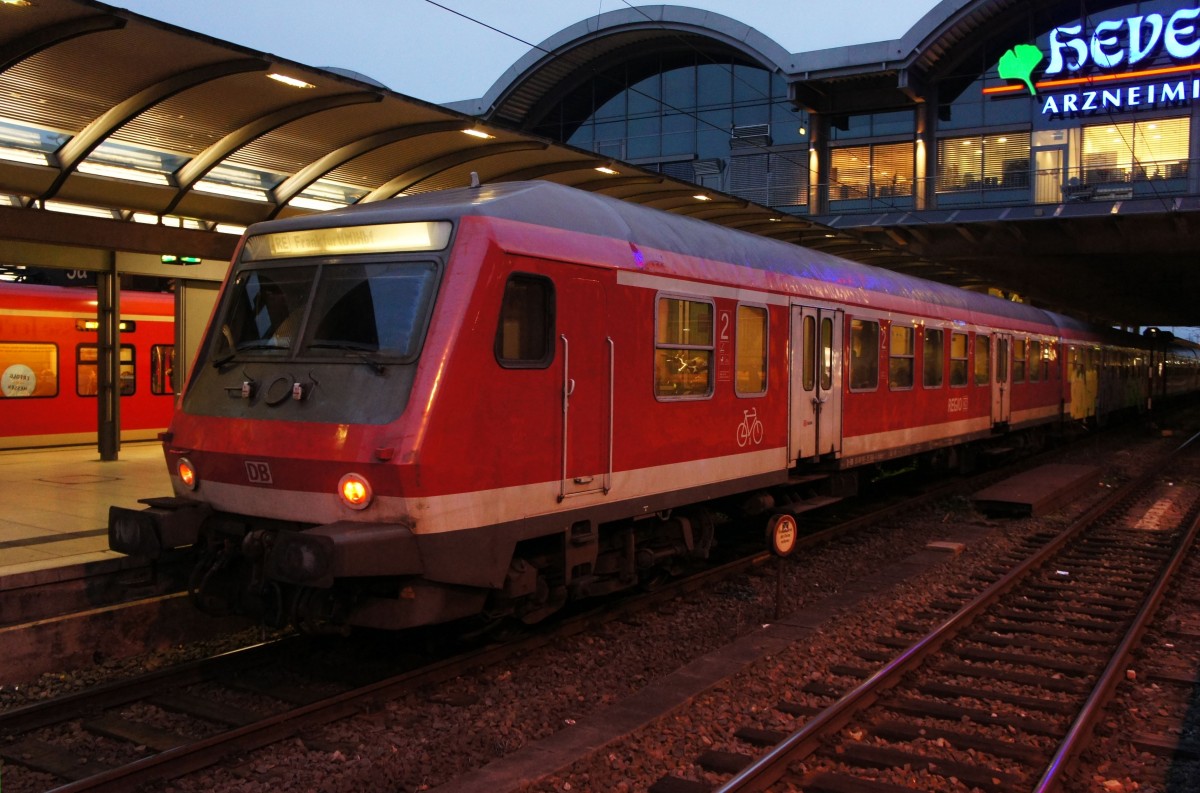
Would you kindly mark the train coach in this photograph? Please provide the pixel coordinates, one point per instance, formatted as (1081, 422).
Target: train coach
(48, 377)
(485, 402)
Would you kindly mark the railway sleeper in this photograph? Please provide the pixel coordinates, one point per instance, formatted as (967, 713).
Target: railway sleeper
(51, 759)
(899, 731)
(982, 777)
(932, 709)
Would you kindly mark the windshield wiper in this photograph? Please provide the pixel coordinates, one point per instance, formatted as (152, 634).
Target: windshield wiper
(360, 353)
(247, 347)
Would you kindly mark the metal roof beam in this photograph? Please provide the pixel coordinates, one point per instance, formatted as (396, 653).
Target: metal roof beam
(299, 182)
(34, 42)
(79, 147)
(415, 176)
(205, 161)
(548, 169)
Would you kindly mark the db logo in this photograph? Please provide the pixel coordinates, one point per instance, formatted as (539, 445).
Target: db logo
(259, 473)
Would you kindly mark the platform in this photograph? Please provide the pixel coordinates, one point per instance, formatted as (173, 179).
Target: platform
(1037, 492)
(54, 502)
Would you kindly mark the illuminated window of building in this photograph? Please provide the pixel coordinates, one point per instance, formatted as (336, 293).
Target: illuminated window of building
(683, 348)
(750, 364)
(850, 173)
(1155, 149)
(881, 171)
(900, 357)
(983, 162)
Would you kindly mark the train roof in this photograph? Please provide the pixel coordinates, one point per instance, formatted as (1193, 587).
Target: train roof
(548, 203)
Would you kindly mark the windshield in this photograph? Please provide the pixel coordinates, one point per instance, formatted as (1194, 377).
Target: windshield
(328, 310)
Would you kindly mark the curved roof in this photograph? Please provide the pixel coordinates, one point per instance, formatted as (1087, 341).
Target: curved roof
(127, 112)
(951, 34)
(575, 54)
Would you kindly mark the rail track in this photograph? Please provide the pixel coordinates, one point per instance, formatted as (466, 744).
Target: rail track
(182, 719)
(175, 721)
(1004, 693)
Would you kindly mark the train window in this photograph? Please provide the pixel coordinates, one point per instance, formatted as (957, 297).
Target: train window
(1019, 348)
(900, 357)
(934, 353)
(958, 359)
(683, 348)
(826, 353)
(162, 369)
(376, 308)
(28, 369)
(983, 358)
(751, 362)
(1035, 361)
(864, 355)
(86, 377)
(809, 361)
(523, 338)
(264, 309)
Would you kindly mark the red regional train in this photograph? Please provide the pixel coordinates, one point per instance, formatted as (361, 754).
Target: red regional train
(489, 401)
(48, 365)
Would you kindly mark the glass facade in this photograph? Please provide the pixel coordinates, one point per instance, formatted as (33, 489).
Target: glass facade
(708, 118)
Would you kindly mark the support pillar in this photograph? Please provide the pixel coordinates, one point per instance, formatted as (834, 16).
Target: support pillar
(108, 362)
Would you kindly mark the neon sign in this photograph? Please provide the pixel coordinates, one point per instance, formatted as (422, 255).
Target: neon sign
(1132, 40)
(1078, 60)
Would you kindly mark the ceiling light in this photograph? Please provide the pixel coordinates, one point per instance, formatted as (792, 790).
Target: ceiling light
(17, 3)
(304, 202)
(80, 209)
(702, 197)
(232, 191)
(23, 155)
(117, 172)
(477, 133)
(292, 81)
(607, 170)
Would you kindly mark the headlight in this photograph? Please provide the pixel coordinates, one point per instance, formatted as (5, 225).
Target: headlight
(187, 473)
(355, 491)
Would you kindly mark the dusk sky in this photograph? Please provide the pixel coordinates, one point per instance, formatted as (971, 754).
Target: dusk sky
(422, 50)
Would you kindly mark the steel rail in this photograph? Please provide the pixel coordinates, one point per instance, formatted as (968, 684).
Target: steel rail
(1093, 709)
(769, 768)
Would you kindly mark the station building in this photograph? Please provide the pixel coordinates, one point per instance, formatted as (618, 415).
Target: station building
(952, 140)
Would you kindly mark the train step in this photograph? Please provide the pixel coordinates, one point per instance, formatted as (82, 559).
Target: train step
(808, 504)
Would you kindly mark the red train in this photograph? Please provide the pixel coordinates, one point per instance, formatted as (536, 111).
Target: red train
(488, 401)
(48, 365)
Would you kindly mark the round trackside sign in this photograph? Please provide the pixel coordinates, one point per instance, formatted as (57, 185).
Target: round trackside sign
(781, 534)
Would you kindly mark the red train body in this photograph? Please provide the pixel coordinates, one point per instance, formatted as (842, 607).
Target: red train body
(487, 401)
(48, 365)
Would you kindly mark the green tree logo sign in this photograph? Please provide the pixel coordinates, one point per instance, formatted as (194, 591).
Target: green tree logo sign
(1019, 63)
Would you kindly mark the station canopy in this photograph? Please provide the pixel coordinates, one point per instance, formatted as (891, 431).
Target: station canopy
(109, 115)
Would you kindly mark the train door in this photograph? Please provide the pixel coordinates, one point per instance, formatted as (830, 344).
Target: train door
(816, 372)
(1001, 379)
(586, 355)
